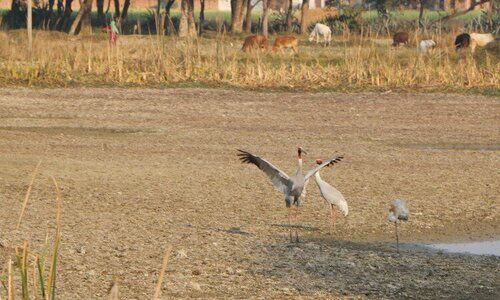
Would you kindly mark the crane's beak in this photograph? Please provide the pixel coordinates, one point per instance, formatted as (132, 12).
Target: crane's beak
(304, 151)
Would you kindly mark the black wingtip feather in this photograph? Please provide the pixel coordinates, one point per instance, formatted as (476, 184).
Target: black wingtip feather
(245, 157)
(336, 160)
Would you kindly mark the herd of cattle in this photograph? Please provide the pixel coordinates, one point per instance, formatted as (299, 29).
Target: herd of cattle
(462, 41)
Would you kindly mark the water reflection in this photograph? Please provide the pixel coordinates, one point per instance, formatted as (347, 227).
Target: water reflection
(479, 248)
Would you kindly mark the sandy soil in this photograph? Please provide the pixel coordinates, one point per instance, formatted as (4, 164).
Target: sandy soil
(141, 169)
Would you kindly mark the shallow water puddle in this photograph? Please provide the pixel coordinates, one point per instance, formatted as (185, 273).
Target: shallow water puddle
(479, 248)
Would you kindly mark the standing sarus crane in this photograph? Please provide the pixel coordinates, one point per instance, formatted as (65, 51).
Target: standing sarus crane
(398, 211)
(293, 187)
(332, 196)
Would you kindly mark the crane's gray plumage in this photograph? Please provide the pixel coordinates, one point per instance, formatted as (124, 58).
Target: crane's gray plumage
(293, 187)
(398, 211)
(331, 195)
(280, 180)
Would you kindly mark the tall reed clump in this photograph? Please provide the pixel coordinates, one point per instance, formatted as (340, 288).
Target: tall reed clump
(32, 274)
(354, 61)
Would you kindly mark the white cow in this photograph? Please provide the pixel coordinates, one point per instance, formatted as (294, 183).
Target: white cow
(323, 30)
(480, 39)
(426, 45)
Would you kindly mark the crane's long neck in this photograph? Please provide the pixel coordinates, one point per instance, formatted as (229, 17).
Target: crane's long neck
(299, 165)
(317, 176)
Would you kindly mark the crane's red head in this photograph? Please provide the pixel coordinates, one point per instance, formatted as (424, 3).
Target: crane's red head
(319, 161)
(300, 151)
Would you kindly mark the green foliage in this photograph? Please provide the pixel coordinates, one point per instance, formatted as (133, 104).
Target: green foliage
(277, 21)
(349, 18)
(488, 22)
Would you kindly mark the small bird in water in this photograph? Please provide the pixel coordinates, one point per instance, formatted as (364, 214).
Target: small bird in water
(398, 211)
(332, 196)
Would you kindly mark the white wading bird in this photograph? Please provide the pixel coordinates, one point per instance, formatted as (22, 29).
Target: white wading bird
(398, 211)
(332, 196)
(293, 187)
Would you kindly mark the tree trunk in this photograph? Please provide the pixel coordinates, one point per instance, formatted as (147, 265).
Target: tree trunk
(86, 24)
(303, 16)
(202, 17)
(100, 12)
(187, 25)
(60, 7)
(124, 14)
(51, 7)
(265, 17)
(83, 16)
(191, 21)
(67, 7)
(66, 17)
(48, 17)
(168, 20)
(242, 12)
(289, 16)
(236, 16)
(421, 15)
(117, 8)
(183, 22)
(248, 17)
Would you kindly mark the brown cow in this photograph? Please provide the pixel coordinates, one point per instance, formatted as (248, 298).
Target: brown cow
(400, 38)
(287, 41)
(254, 42)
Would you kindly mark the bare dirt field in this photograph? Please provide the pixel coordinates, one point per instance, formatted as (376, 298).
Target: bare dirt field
(141, 169)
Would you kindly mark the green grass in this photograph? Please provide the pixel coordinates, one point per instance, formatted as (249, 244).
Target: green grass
(411, 15)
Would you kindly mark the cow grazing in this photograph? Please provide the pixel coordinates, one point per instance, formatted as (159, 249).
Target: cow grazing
(321, 30)
(400, 38)
(426, 45)
(462, 41)
(287, 41)
(480, 39)
(254, 42)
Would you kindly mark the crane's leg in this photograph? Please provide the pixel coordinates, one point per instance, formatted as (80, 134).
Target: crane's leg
(397, 237)
(333, 215)
(296, 224)
(290, 222)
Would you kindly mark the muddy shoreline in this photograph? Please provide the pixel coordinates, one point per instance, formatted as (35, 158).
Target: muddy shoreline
(141, 169)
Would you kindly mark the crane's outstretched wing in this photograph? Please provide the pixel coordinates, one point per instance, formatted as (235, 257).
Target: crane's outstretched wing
(280, 180)
(327, 163)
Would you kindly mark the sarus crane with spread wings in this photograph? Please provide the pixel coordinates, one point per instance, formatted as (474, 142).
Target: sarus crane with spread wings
(292, 187)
